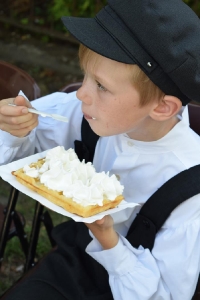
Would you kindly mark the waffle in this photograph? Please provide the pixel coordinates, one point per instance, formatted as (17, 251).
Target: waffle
(59, 199)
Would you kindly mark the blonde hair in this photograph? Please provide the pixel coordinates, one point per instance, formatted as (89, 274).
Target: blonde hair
(147, 89)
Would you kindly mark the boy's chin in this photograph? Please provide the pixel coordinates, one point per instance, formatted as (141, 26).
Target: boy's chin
(101, 132)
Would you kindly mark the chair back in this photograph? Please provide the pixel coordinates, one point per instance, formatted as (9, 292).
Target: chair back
(13, 79)
(71, 87)
(194, 117)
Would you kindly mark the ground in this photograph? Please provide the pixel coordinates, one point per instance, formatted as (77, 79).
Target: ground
(53, 64)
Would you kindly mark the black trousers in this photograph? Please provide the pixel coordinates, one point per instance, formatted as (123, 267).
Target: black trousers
(67, 273)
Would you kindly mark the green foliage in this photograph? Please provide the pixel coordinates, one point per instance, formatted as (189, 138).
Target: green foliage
(13, 249)
(195, 5)
(76, 8)
(24, 21)
(47, 13)
(45, 38)
(60, 8)
(5, 284)
(81, 8)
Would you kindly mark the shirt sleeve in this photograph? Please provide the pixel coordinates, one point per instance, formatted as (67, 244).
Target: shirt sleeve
(170, 271)
(13, 148)
(49, 132)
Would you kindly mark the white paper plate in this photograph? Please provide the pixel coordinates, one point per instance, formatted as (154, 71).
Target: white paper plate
(5, 173)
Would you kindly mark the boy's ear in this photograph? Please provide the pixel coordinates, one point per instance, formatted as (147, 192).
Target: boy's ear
(168, 107)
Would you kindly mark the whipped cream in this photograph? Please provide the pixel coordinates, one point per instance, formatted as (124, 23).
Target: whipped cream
(62, 171)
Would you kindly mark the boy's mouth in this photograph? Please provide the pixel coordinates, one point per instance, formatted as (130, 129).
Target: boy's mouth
(87, 117)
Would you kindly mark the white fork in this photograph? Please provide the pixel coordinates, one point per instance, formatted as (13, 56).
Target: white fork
(43, 114)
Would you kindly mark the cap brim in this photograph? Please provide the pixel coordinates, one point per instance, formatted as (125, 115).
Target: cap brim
(89, 33)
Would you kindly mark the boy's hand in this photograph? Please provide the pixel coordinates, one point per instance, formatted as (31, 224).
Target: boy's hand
(104, 232)
(16, 120)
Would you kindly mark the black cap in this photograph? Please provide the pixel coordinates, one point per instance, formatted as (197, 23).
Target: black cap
(161, 36)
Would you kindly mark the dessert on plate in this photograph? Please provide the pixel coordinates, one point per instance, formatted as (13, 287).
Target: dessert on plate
(64, 180)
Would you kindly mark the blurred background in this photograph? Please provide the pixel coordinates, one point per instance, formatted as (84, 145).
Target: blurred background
(33, 38)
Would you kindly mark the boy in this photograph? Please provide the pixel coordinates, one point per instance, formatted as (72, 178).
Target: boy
(142, 63)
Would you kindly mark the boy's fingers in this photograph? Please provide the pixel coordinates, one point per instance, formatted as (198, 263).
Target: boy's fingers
(21, 101)
(7, 110)
(6, 101)
(20, 108)
(100, 222)
(17, 120)
(20, 129)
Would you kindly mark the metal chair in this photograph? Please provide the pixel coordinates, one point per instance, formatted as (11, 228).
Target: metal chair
(29, 248)
(71, 87)
(13, 79)
(194, 117)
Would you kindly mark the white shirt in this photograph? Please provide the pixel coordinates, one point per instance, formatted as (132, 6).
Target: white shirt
(171, 270)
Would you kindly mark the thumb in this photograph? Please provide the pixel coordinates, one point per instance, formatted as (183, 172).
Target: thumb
(100, 222)
(22, 101)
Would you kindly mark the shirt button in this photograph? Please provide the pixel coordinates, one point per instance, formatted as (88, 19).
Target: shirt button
(130, 143)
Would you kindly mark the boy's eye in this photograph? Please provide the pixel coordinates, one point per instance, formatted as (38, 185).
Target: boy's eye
(101, 87)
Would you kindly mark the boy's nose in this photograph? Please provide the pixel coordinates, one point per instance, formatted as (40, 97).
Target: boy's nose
(83, 94)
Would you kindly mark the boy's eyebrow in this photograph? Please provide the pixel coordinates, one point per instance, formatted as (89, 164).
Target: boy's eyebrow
(99, 78)
(102, 80)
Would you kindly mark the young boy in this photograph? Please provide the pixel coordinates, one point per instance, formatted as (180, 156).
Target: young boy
(141, 61)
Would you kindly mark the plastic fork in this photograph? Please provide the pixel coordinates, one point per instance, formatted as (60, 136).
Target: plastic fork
(43, 114)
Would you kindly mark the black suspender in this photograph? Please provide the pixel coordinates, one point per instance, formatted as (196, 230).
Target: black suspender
(159, 206)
